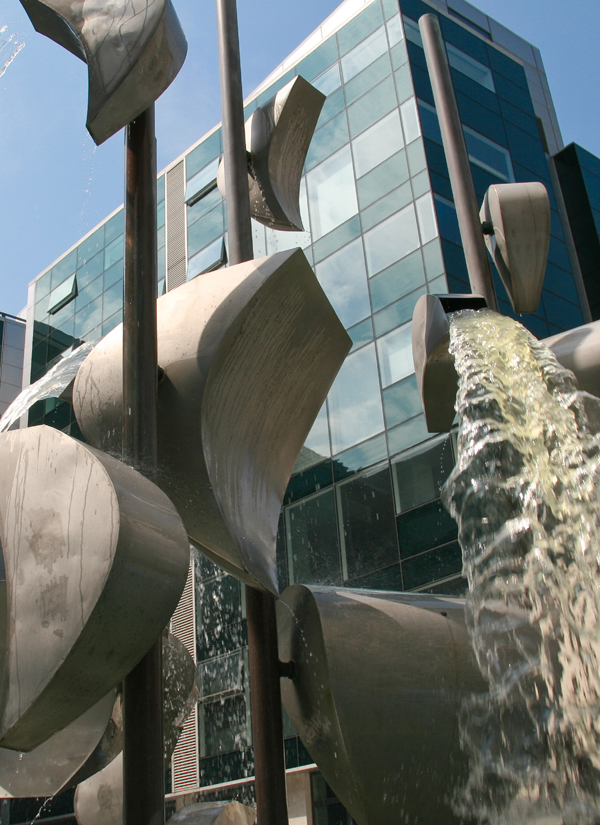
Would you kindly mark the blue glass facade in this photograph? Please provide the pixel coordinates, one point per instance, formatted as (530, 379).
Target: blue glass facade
(363, 506)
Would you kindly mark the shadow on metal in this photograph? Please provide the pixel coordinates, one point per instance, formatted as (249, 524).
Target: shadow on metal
(278, 135)
(248, 354)
(133, 51)
(375, 698)
(96, 559)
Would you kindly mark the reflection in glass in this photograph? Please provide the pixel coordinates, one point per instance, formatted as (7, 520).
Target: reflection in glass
(211, 257)
(355, 411)
(329, 81)
(420, 472)
(203, 181)
(316, 447)
(470, 67)
(113, 252)
(377, 143)
(62, 294)
(395, 355)
(367, 525)
(426, 216)
(488, 155)
(343, 276)
(331, 193)
(223, 725)
(391, 240)
(394, 30)
(364, 54)
(312, 540)
(410, 120)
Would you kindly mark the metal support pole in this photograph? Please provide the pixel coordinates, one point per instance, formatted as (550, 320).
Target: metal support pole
(143, 762)
(265, 688)
(463, 191)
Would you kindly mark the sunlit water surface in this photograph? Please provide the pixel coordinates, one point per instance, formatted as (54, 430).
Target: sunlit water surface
(525, 495)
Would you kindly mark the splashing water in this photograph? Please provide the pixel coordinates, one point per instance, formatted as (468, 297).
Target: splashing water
(51, 385)
(525, 494)
(9, 49)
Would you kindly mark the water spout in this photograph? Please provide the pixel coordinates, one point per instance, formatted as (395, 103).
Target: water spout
(525, 495)
(52, 385)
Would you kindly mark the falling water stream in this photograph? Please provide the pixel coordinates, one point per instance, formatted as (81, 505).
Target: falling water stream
(51, 385)
(525, 494)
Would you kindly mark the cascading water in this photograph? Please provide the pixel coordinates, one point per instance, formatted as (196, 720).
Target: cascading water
(51, 385)
(525, 494)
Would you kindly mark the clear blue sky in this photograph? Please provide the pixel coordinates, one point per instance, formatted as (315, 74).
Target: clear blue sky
(55, 186)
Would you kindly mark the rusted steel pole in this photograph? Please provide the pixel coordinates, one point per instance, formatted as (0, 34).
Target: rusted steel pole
(143, 762)
(265, 688)
(461, 180)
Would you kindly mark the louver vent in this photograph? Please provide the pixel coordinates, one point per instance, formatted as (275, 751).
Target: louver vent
(175, 227)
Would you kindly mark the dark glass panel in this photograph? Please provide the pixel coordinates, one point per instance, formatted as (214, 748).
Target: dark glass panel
(308, 482)
(507, 67)
(226, 767)
(388, 578)
(220, 604)
(364, 455)
(435, 564)
(515, 94)
(517, 116)
(420, 473)
(527, 150)
(481, 119)
(454, 258)
(471, 89)
(447, 221)
(421, 81)
(462, 39)
(457, 586)
(290, 747)
(367, 522)
(312, 540)
(424, 527)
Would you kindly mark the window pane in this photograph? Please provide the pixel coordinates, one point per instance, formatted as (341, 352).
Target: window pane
(394, 29)
(208, 259)
(223, 726)
(221, 674)
(364, 54)
(343, 276)
(62, 294)
(113, 252)
(397, 281)
(488, 155)
(331, 193)
(379, 142)
(410, 120)
(312, 540)
(316, 447)
(367, 528)
(355, 411)
(426, 216)
(391, 240)
(420, 473)
(472, 68)
(395, 355)
(329, 81)
(327, 140)
(202, 232)
(412, 31)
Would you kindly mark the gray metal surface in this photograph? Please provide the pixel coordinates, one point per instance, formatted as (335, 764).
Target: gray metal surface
(134, 50)
(434, 366)
(520, 216)
(96, 559)
(379, 684)
(455, 150)
(248, 355)
(278, 135)
(579, 350)
(99, 800)
(49, 768)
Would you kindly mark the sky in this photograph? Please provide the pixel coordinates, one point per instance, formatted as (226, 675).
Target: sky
(56, 185)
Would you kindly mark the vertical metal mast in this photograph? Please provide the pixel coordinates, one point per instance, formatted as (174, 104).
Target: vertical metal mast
(265, 689)
(143, 761)
(463, 191)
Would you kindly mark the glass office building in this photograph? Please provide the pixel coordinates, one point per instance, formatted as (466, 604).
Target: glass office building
(363, 506)
(12, 343)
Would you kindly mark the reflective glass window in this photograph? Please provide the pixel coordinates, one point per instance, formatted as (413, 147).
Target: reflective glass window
(420, 473)
(372, 107)
(331, 193)
(395, 355)
(209, 258)
(113, 299)
(202, 181)
(426, 218)
(412, 31)
(410, 120)
(359, 27)
(364, 54)
(394, 30)
(367, 79)
(378, 182)
(89, 247)
(66, 266)
(327, 140)
(397, 314)
(343, 276)
(200, 155)
(88, 318)
(415, 154)
(398, 280)
(113, 252)
(90, 270)
(401, 401)
(367, 525)
(355, 411)
(206, 230)
(62, 294)
(472, 68)
(316, 447)
(222, 674)
(312, 540)
(114, 226)
(488, 155)
(391, 240)
(377, 143)
(361, 333)
(329, 81)
(223, 725)
(202, 206)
